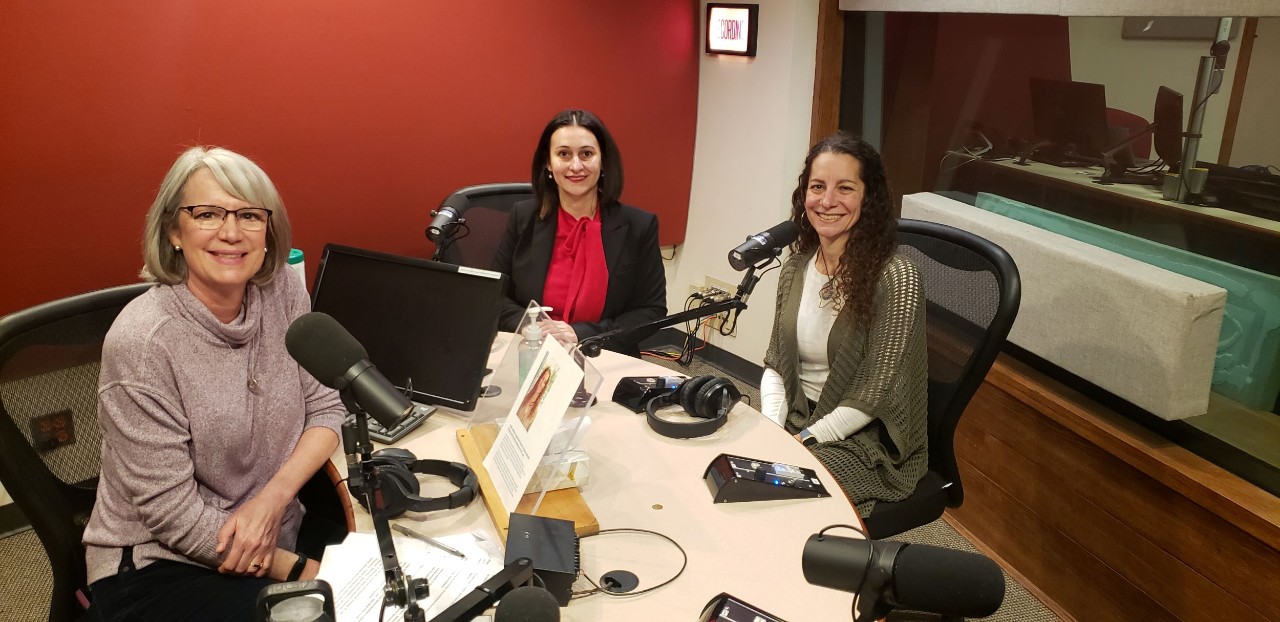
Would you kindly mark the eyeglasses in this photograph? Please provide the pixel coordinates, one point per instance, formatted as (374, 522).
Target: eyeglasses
(212, 216)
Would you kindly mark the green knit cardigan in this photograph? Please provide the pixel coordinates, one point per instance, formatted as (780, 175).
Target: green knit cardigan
(881, 371)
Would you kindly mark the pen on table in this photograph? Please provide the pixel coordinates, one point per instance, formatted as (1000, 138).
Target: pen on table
(425, 538)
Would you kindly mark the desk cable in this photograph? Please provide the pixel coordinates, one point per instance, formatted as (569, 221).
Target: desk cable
(596, 589)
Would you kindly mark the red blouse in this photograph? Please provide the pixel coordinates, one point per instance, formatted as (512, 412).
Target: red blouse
(578, 277)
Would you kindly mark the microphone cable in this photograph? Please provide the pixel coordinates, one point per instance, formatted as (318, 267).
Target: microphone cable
(596, 589)
(866, 568)
(678, 356)
(729, 325)
(461, 227)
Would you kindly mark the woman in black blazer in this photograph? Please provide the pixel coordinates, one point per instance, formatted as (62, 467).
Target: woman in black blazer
(575, 247)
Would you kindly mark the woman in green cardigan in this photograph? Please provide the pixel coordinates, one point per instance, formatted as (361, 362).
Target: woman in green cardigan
(846, 366)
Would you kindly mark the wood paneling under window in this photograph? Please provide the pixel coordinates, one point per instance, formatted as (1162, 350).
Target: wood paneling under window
(1108, 520)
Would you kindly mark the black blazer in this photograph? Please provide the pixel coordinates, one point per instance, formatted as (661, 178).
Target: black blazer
(637, 283)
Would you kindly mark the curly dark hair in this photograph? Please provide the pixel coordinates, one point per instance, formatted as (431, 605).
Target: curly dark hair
(873, 238)
(545, 189)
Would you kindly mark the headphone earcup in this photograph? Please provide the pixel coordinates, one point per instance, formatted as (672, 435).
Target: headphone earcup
(398, 483)
(398, 487)
(687, 394)
(716, 398)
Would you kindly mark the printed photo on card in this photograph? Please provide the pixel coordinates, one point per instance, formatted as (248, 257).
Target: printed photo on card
(545, 396)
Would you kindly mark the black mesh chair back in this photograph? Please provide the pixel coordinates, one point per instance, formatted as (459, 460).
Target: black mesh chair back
(972, 292)
(485, 208)
(50, 443)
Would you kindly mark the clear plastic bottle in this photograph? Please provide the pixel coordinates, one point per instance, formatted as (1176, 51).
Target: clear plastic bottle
(529, 344)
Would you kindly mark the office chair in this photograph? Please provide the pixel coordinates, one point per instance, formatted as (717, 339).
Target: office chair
(49, 357)
(1131, 124)
(486, 208)
(50, 442)
(972, 291)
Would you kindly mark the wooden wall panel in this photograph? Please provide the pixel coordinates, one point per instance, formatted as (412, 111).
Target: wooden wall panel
(1098, 536)
(827, 70)
(1077, 582)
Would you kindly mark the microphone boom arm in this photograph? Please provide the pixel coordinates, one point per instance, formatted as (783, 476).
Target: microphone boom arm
(591, 346)
(400, 589)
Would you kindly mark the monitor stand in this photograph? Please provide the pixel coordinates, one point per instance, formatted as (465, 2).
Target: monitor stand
(490, 390)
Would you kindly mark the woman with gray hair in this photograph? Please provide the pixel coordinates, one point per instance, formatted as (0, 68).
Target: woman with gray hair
(209, 428)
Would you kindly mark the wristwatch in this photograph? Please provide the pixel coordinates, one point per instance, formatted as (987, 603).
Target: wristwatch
(807, 438)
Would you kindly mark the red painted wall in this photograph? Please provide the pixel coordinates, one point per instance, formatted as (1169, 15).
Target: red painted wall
(365, 114)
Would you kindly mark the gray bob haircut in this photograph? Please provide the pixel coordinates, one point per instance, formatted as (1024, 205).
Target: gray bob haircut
(240, 178)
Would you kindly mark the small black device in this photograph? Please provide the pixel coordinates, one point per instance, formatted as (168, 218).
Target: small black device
(415, 418)
(726, 608)
(634, 392)
(397, 469)
(708, 398)
(552, 544)
(734, 478)
(428, 324)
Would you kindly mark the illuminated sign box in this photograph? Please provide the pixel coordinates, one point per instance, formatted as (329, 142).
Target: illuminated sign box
(731, 28)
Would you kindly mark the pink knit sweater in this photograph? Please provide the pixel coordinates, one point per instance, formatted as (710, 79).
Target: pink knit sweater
(196, 418)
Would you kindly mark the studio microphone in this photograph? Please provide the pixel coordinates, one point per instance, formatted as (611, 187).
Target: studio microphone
(763, 245)
(446, 218)
(895, 575)
(527, 604)
(327, 351)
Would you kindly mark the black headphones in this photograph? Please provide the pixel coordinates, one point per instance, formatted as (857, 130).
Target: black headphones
(400, 486)
(706, 397)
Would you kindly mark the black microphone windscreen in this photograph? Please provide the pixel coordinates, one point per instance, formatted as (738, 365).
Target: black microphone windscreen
(527, 604)
(784, 233)
(947, 582)
(323, 347)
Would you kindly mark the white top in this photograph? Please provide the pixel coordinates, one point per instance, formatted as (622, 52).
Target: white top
(813, 325)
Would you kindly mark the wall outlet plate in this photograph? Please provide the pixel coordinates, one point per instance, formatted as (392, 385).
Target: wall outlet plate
(723, 286)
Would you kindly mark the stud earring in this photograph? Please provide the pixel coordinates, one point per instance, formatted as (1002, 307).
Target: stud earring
(177, 249)
(549, 175)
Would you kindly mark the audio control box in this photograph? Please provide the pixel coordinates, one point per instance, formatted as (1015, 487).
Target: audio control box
(734, 478)
(552, 545)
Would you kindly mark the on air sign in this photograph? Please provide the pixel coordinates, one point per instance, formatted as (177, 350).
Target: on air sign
(731, 28)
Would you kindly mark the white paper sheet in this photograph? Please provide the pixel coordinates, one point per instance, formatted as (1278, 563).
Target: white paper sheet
(354, 570)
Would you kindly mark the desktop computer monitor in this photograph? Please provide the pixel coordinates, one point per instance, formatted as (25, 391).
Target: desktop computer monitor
(426, 325)
(1168, 122)
(1072, 115)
